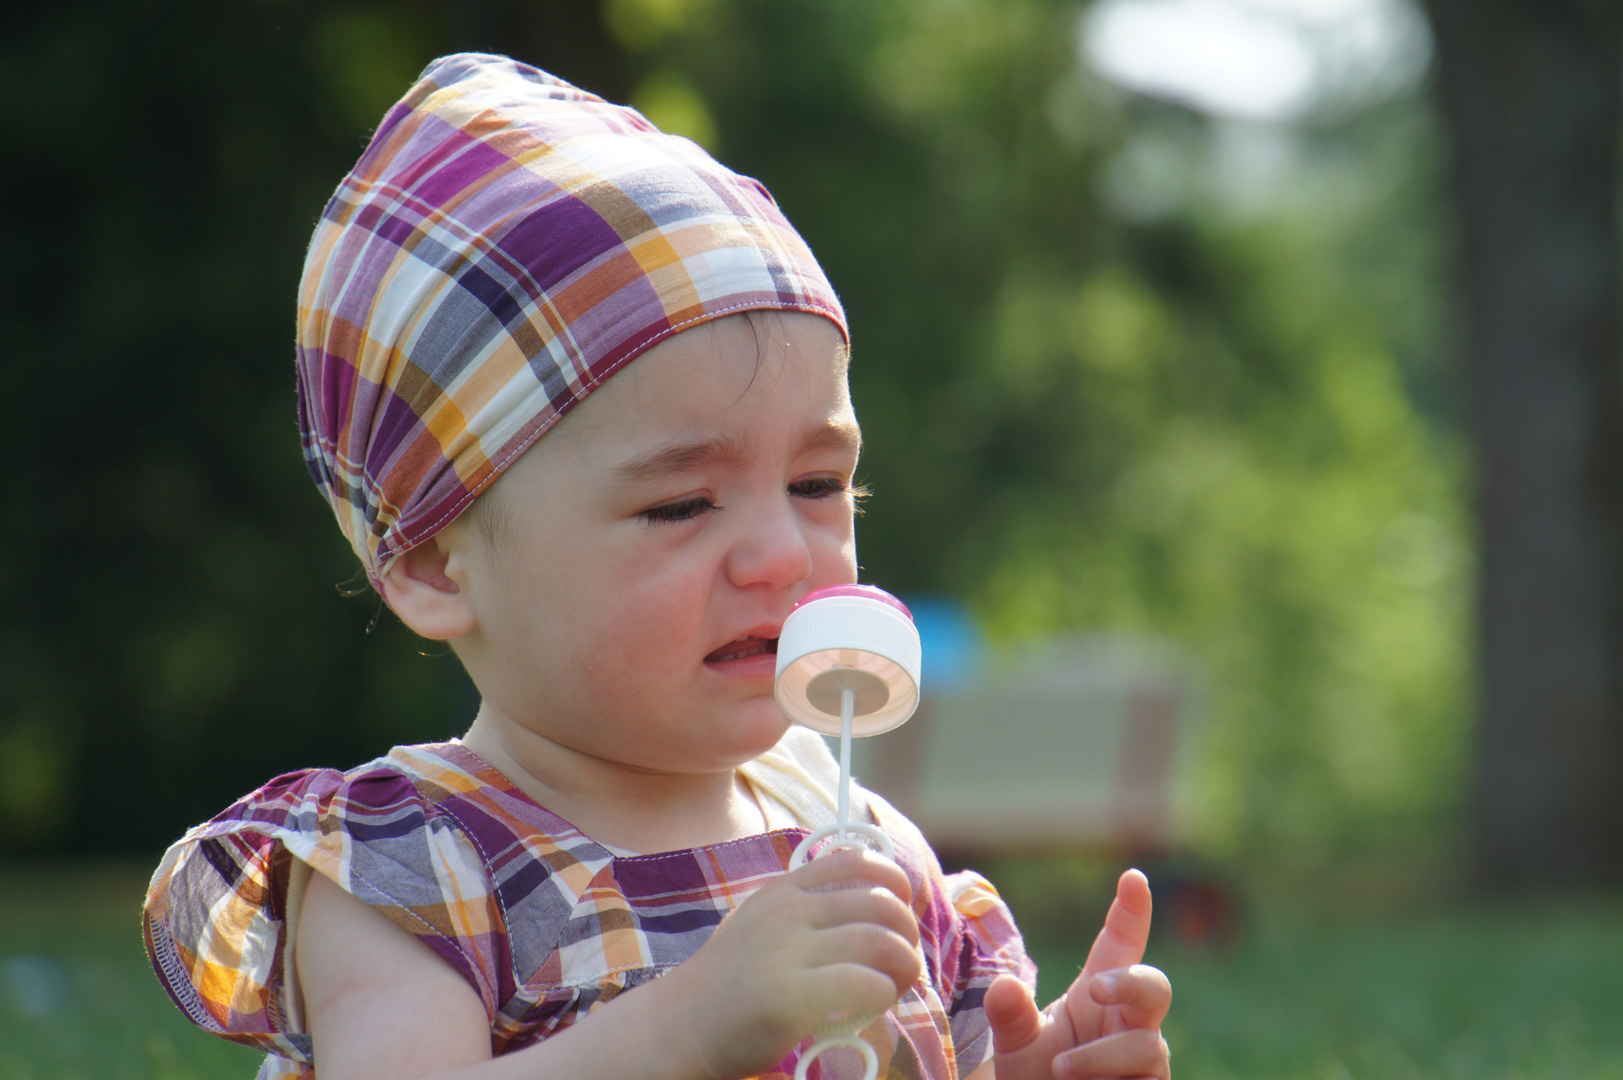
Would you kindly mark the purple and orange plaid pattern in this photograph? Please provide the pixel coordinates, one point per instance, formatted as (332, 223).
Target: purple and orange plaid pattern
(505, 243)
(543, 923)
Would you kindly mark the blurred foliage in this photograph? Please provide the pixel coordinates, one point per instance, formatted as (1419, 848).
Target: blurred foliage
(1118, 366)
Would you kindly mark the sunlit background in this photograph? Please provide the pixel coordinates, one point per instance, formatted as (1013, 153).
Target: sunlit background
(1158, 360)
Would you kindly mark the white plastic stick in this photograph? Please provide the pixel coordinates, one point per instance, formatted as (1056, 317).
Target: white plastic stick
(848, 700)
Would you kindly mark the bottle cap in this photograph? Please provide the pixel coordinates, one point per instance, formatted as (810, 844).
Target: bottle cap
(849, 637)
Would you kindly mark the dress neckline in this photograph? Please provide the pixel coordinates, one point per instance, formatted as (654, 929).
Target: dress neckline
(519, 804)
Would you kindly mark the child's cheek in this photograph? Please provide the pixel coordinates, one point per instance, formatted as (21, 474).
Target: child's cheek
(637, 647)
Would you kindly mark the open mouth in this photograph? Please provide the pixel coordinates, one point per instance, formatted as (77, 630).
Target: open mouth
(743, 647)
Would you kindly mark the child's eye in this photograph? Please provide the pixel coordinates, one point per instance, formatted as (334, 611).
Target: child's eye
(686, 510)
(825, 486)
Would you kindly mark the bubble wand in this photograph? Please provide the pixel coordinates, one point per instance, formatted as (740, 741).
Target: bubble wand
(848, 665)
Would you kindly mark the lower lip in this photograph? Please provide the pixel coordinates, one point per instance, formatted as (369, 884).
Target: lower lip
(758, 666)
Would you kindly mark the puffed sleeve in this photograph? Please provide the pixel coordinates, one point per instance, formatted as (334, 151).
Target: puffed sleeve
(222, 904)
(989, 945)
(968, 936)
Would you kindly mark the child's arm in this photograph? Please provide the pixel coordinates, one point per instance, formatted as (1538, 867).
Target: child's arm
(832, 936)
(1107, 1024)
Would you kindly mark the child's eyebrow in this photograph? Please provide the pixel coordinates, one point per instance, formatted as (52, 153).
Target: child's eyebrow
(834, 435)
(689, 456)
(682, 457)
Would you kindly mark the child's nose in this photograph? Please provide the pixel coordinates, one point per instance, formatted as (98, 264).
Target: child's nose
(771, 549)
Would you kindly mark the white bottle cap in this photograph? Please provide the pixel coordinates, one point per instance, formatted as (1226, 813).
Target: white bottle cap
(852, 637)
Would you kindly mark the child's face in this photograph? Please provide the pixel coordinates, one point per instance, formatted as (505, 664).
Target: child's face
(645, 552)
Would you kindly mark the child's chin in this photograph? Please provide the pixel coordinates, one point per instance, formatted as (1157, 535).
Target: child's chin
(764, 724)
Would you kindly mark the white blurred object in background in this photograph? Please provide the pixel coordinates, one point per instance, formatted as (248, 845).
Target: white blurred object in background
(1258, 60)
(1075, 744)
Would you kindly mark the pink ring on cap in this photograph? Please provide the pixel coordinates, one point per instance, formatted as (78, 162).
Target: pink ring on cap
(867, 592)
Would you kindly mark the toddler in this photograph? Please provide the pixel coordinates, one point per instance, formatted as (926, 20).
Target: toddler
(592, 882)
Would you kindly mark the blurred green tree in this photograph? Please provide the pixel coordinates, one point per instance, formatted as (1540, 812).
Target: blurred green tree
(1534, 101)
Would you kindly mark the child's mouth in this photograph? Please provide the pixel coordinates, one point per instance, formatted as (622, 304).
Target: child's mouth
(742, 648)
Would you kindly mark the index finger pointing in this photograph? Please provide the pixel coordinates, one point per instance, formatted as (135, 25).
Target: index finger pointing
(1126, 931)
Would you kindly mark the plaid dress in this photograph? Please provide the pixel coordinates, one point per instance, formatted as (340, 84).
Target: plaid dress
(544, 924)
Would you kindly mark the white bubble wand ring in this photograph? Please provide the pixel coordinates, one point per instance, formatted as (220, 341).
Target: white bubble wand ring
(848, 665)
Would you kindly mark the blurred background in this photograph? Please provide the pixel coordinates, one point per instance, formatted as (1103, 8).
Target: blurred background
(1265, 351)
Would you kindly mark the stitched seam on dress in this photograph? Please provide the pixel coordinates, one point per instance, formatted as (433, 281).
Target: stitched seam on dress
(724, 845)
(496, 892)
(179, 980)
(407, 909)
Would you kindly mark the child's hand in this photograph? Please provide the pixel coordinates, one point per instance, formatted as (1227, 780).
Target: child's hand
(834, 936)
(1107, 1024)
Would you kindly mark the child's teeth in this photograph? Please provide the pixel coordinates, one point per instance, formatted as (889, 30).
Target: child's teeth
(747, 645)
(744, 646)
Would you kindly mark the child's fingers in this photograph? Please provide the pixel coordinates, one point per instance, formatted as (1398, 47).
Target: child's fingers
(845, 868)
(848, 988)
(864, 905)
(1143, 993)
(1013, 1014)
(1127, 927)
(873, 947)
(1140, 1052)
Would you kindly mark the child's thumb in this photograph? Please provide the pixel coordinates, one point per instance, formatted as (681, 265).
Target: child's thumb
(1013, 1014)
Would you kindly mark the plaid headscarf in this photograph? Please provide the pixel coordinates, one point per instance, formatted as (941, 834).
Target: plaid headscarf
(505, 244)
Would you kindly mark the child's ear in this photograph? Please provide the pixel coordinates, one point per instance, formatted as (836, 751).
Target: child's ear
(418, 587)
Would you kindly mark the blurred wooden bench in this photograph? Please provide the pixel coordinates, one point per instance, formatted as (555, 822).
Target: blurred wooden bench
(1075, 746)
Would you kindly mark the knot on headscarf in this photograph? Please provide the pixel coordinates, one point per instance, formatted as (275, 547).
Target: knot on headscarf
(505, 244)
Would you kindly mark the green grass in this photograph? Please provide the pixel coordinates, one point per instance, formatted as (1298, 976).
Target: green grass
(1461, 992)
(1484, 995)
(88, 1005)
(1500, 993)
